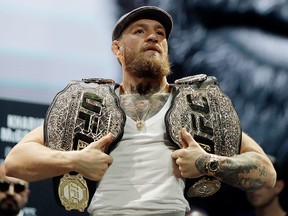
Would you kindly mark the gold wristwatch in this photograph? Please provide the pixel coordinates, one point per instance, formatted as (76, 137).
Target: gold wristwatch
(212, 165)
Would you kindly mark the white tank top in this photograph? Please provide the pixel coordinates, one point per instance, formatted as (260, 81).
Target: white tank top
(140, 180)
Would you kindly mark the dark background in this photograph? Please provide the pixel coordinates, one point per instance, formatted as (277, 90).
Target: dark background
(241, 42)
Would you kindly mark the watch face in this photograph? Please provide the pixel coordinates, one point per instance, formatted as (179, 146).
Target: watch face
(213, 165)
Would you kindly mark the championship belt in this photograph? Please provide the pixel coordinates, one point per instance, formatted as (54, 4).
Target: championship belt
(201, 108)
(82, 113)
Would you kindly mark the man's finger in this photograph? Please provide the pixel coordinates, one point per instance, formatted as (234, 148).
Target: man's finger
(103, 142)
(174, 154)
(187, 139)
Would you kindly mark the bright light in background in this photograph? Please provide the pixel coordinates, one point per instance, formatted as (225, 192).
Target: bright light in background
(45, 44)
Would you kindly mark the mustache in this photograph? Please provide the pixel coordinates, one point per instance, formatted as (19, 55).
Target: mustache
(9, 200)
(9, 206)
(153, 47)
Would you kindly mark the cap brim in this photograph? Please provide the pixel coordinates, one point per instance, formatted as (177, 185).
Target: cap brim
(145, 12)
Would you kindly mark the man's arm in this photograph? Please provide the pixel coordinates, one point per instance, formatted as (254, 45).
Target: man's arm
(30, 160)
(250, 170)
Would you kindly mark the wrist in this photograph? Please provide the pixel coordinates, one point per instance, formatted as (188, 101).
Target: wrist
(212, 165)
(71, 161)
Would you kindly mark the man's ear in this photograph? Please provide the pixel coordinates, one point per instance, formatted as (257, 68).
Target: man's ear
(280, 184)
(115, 47)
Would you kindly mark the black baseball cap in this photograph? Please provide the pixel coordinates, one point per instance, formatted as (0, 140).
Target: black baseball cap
(144, 12)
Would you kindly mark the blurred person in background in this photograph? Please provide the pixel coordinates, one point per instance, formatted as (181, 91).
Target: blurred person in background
(266, 202)
(14, 195)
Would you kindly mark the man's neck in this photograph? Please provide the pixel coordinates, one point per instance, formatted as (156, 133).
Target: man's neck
(144, 86)
(273, 208)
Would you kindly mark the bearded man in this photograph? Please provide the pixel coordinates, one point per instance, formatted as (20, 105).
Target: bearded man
(144, 174)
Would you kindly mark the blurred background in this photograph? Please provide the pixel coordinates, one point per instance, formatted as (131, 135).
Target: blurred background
(45, 44)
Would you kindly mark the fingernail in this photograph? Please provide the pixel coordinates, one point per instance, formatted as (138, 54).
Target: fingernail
(111, 135)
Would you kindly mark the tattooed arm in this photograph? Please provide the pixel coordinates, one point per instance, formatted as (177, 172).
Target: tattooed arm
(250, 170)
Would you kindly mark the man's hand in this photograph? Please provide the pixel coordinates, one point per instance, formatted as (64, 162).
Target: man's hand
(92, 162)
(186, 157)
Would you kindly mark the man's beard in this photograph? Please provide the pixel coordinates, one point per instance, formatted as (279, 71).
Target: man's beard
(142, 66)
(9, 207)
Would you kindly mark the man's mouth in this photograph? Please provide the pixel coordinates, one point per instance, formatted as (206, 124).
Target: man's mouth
(152, 48)
(9, 202)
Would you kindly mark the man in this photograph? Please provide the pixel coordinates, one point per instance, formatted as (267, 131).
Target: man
(142, 175)
(13, 195)
(266, 201)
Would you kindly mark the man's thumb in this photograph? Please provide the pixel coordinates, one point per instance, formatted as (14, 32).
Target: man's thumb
(104, 142)
(187, 139)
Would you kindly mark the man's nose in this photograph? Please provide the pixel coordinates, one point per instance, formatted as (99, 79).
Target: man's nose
(152, 37)
(11, 190)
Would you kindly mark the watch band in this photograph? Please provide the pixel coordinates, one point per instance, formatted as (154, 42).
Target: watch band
(212, 165)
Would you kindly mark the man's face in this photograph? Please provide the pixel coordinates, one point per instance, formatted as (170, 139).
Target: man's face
(13, 196)
(145, 50)
(263, 197)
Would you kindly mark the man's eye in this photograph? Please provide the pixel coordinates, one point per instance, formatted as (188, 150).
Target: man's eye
(139, 31)
(160, 33)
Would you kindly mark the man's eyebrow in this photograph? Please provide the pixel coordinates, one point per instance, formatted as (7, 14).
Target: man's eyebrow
(136, 25)
(143, 25)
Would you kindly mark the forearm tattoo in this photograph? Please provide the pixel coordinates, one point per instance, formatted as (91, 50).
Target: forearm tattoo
(245, 173)
(201, 164)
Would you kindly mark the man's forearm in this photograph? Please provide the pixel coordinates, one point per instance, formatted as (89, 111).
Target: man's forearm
(246, 171)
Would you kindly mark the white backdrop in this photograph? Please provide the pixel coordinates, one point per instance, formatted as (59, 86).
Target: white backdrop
(46, 43)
